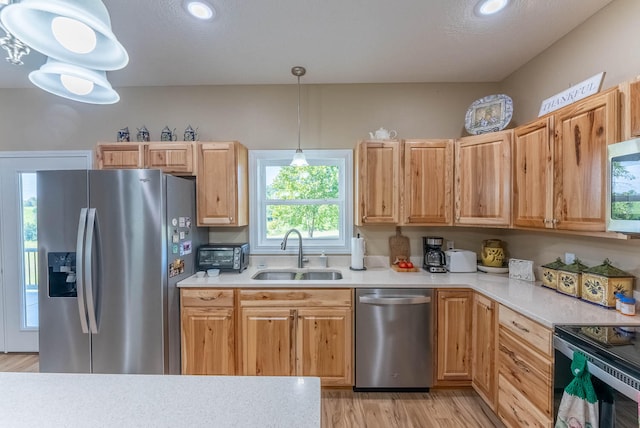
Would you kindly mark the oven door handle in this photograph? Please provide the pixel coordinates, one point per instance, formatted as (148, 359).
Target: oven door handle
(567, 350)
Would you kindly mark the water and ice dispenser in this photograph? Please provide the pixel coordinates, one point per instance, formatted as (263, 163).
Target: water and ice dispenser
(62, 274)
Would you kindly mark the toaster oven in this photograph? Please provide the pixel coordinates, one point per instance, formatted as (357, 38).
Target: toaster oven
(226, 257)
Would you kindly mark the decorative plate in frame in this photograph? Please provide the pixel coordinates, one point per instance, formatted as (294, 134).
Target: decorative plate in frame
(489, 114)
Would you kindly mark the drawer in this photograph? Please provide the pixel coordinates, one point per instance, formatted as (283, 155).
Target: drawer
(296, 297)
(526, 370)
(537, 335)
(516, 411)
(200, 297)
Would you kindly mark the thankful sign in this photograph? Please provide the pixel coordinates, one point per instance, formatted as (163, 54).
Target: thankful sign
(577, 92)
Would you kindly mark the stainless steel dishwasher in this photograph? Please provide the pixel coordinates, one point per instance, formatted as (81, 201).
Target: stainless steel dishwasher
(394, 332)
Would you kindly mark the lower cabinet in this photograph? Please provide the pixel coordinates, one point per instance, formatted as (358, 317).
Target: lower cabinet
(484, 345)
(453, 338)
(207, 331)
(525, 371)
(297, 332)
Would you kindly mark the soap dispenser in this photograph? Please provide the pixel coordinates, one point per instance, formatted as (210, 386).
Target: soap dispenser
(324, 262)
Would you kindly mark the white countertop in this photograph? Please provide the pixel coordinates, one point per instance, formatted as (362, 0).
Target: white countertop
(541, 304)
(99, 400)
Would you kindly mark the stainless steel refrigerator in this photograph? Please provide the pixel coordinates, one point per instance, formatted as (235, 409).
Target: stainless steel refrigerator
(111, 247)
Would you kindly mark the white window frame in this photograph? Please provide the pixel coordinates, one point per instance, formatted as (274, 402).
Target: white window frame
(260, 159)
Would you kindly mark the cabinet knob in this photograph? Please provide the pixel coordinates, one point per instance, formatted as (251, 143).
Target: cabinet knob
(230, 218)
(554, 221)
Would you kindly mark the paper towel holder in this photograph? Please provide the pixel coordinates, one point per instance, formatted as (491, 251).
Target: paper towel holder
(352, 255)
(363, 268)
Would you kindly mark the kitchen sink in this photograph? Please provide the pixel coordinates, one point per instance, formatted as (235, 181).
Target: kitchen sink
(298, 275)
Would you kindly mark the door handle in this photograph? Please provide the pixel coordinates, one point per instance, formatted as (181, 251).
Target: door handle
(82, 225)
(91, 308)
(395, 300)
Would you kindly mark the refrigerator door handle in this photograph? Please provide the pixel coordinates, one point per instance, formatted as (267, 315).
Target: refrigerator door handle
(88, 255)
(82, 225)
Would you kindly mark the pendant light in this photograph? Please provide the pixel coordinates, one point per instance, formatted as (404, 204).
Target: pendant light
(298, 158)
(76, 32)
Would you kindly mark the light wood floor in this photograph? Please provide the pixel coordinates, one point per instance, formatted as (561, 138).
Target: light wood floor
(347, 409)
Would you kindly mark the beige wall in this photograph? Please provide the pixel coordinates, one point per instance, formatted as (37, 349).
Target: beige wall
(607, 42)
(336, 116)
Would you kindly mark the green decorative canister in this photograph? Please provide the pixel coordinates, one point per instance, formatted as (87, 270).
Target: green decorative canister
(550, 273)
(569, 278)
(599, 284)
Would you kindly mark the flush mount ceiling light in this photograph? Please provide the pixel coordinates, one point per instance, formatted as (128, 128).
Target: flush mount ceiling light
(70, 31)
(74, 82)
(298, 158)
(200, 9)
(489, 7)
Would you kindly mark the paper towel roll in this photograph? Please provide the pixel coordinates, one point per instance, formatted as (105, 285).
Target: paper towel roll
(357, 253)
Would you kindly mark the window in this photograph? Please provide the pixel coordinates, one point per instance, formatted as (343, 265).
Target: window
(314, 199)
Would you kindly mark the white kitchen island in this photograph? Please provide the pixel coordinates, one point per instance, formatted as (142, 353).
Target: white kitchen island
(102, 400)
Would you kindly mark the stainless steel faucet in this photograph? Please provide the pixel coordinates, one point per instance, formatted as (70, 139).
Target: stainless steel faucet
(283, 245)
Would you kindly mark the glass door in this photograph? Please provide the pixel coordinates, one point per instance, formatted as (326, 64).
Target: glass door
(18, 239)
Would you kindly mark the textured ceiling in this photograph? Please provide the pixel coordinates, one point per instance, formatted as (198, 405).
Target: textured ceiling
(338, 41)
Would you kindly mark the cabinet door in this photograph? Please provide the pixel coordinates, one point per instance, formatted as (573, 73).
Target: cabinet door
(483, 179)
(454, 336)
(515, 411)
(222, 184)
(427, 198)
(484, 374)
(583, 131)
(268, 341)
(533, 174)
(378, 182)
(630, 112)
(120, 156)
(208, 345)
(174, 158)
(324, 345)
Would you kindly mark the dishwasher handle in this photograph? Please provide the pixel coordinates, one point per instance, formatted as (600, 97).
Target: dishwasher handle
(394, 300)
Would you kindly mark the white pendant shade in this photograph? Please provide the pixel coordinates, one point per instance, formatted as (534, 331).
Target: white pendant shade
(94, 46)
(299, 159)
(74, 82)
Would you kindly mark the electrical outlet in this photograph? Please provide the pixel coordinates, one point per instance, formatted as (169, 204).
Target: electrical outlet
(450, 245)
(569, 258)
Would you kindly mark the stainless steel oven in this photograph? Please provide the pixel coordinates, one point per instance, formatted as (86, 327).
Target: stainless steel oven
(613, 359)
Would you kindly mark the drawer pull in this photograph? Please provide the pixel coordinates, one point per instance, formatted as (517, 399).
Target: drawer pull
(520, 326)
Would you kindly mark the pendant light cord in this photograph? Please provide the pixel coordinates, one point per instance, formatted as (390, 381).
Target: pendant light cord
(298, 112)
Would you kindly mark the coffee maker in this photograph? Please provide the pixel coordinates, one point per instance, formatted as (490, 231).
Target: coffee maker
(434, 259)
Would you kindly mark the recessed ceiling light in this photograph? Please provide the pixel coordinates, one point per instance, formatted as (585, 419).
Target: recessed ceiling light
(200, 9)
(489, 7)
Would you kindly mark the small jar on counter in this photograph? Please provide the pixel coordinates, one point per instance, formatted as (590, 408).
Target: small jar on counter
(627, 305)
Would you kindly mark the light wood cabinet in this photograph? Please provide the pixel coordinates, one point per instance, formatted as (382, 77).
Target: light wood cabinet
(533, 155)
(582, 132)
(207, 331)
(630, 110)
(302, 332)
(222, 184)
(377, 182)
(119, 155)
(483, 180)
(453, 343)
(427, 196)
(484, 347)
(175, 158)
(525, 371)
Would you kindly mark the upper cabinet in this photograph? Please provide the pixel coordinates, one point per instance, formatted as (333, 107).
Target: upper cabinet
(559, 166)
(222, 184)
(630, 114)
(175, 158)
(377, 182)
(119, 155)
(483, 180)
(427, 196)
(533, 174)
(582, 133)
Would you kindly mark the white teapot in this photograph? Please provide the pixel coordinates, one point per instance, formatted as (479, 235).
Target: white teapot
(383, 134)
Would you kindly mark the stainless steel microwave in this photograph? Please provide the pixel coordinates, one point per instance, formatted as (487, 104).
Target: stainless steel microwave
(623, 187)
(226, 257)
